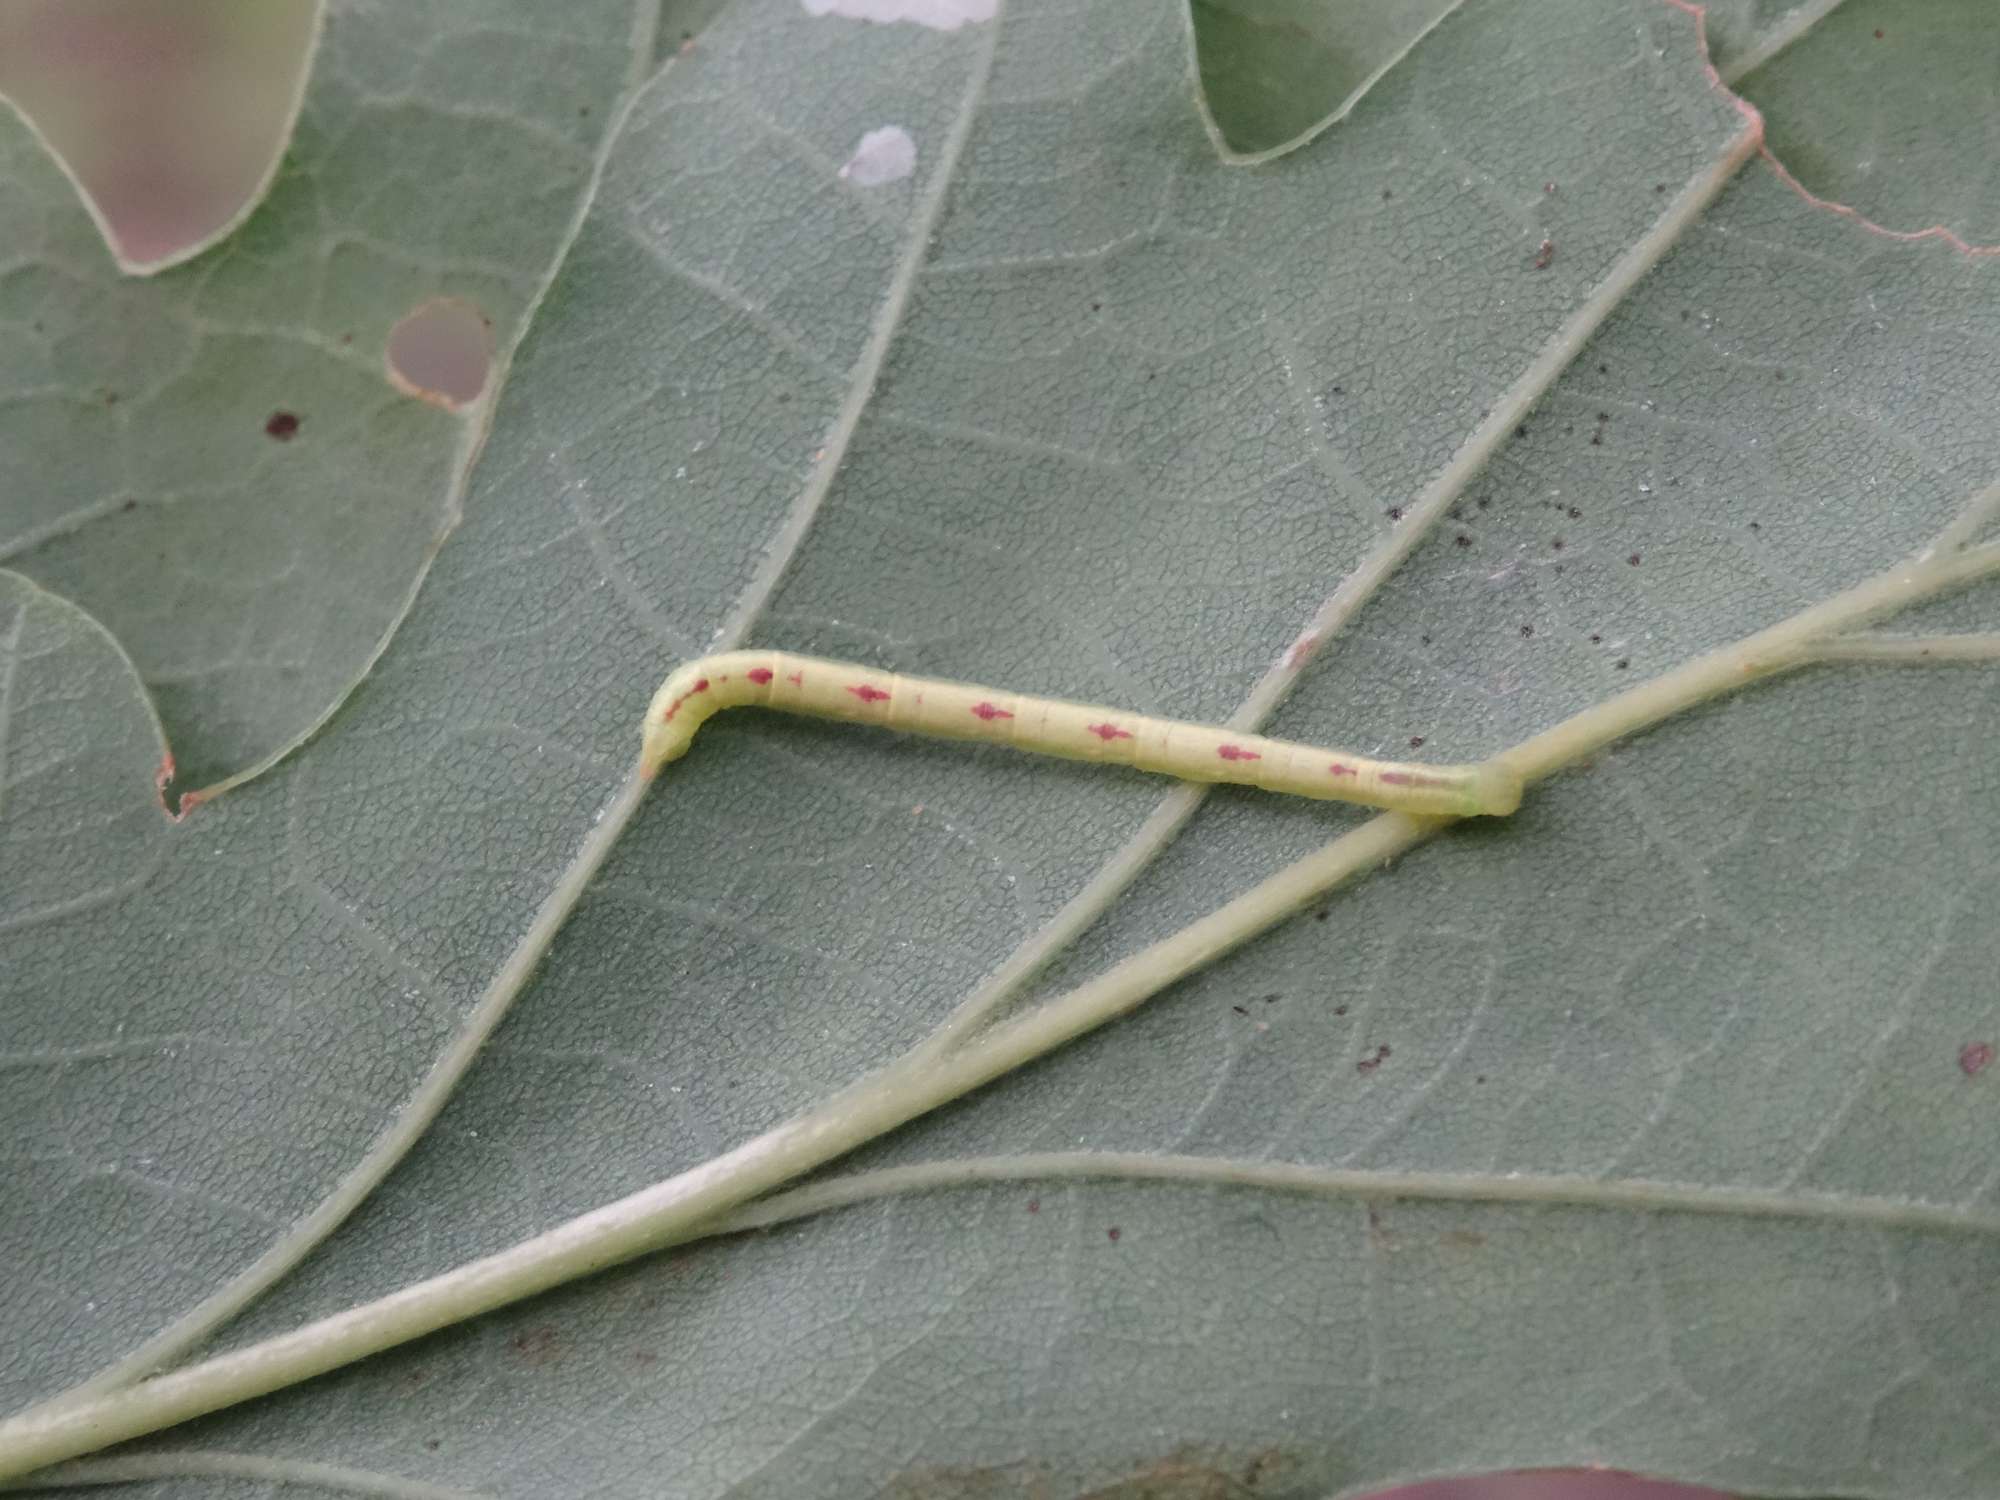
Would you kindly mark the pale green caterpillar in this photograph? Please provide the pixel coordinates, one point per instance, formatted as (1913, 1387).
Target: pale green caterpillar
(1051, 726)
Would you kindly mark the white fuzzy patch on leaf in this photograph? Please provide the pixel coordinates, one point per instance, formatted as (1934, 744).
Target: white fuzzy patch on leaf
(885, 155)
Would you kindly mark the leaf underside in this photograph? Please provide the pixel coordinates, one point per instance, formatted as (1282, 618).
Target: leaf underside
(1081, 409)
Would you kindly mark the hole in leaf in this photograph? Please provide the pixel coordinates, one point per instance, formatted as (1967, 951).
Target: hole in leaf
(169, 120)
(441, 353)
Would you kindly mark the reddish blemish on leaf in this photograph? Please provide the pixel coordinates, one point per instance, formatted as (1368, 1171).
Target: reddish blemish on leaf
(282, 425)
(1109, 732)
(796, 679)
(1237, 752)
(1341, 770)
(867, 692)
(1398, 778)
(760, 675)
(700, 686)
(1974, 1057)
(990, 712)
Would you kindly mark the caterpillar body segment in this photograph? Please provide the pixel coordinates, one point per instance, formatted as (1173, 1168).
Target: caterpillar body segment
(819, 688)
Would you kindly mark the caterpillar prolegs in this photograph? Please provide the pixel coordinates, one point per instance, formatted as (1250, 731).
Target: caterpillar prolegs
(824, 689)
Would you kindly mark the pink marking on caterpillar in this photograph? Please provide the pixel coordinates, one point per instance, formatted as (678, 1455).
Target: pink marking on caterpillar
(1081, 731)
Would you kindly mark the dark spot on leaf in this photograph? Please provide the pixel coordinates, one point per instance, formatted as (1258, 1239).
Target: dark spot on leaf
(1521, 431)
(1112, 1233)
(1973, 1057)
(1545, 255)
(1527, 631)
(1387, 195)
(1597, 640)
(1322, 914)
(1273, 998)
(1633, 559)
(1340, 1010)
(1597, 440)
(1034, 1205)
(129, 505)
(1604, 369)
(1575, 514)
(1659, 187)
(1416, 742)
(1557, 544)
(1240, 1010)
(1755, 527)
(1483, 501)
(1395, 512)
(1878, 33)
(1622, 663)
(431, 1444)
(537, 1345)
(1463, 540)
(1548, 187)
(282, 425)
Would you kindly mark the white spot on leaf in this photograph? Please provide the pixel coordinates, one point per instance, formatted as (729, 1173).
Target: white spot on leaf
(944, 15)
(885, 155)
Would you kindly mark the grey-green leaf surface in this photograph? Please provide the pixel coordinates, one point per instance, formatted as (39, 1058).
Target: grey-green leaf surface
(1078, 408)
(213, 461)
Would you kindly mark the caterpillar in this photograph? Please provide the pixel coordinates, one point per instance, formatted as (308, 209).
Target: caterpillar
(824, 689)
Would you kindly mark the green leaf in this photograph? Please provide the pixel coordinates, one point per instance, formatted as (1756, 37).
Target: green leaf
(1844, 120)
(214, 461)
(1638, 1129)
(1274, 73)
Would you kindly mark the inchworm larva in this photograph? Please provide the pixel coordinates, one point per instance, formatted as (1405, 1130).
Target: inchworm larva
(1051, 726)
